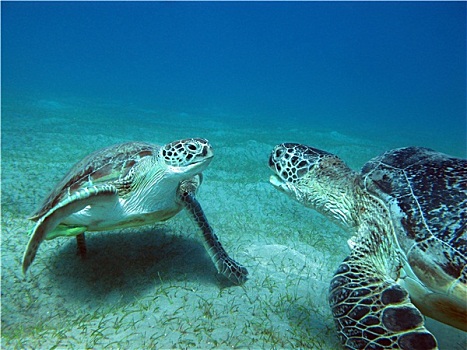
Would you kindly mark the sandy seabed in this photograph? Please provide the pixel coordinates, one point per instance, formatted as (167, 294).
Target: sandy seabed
(155, 286)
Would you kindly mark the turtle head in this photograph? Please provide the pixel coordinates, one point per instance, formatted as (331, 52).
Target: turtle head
(187, 157)
(315, 178)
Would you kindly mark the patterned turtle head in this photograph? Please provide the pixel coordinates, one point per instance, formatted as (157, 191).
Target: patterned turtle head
(315, 178)
(155, 180)
(188, 156)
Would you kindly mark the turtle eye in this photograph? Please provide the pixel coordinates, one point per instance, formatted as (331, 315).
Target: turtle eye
(279, 153)
(192, 147)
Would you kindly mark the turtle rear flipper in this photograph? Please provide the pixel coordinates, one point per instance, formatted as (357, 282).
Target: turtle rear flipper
(371, 312)
(45, 226)
(69, 231)
(225, 265)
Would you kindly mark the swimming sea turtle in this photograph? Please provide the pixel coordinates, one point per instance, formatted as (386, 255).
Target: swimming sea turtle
(126, 185)
(407, 210)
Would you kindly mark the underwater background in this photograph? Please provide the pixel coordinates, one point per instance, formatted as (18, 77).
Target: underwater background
(353, 78)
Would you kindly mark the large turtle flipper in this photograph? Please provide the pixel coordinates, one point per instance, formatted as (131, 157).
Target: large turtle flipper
(225, 265)
(370, 309)
(47, 226)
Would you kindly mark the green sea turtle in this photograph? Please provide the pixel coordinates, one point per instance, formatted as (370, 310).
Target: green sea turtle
(127, 185)
(407, 210)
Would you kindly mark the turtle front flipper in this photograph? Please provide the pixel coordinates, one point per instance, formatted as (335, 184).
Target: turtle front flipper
(374, 312)
(47, 227)
(225, 265)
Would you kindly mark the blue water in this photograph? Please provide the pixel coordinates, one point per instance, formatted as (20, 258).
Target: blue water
(378, 68)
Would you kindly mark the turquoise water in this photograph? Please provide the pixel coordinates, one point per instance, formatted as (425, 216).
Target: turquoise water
(355, 67)
(353, 78)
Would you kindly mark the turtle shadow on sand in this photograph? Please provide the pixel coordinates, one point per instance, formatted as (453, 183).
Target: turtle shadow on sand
(127, 265)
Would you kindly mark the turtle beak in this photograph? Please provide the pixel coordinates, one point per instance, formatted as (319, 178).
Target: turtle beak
(278, 183)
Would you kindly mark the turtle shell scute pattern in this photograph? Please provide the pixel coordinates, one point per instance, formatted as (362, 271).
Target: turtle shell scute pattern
(110, 164)
(430, 190)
